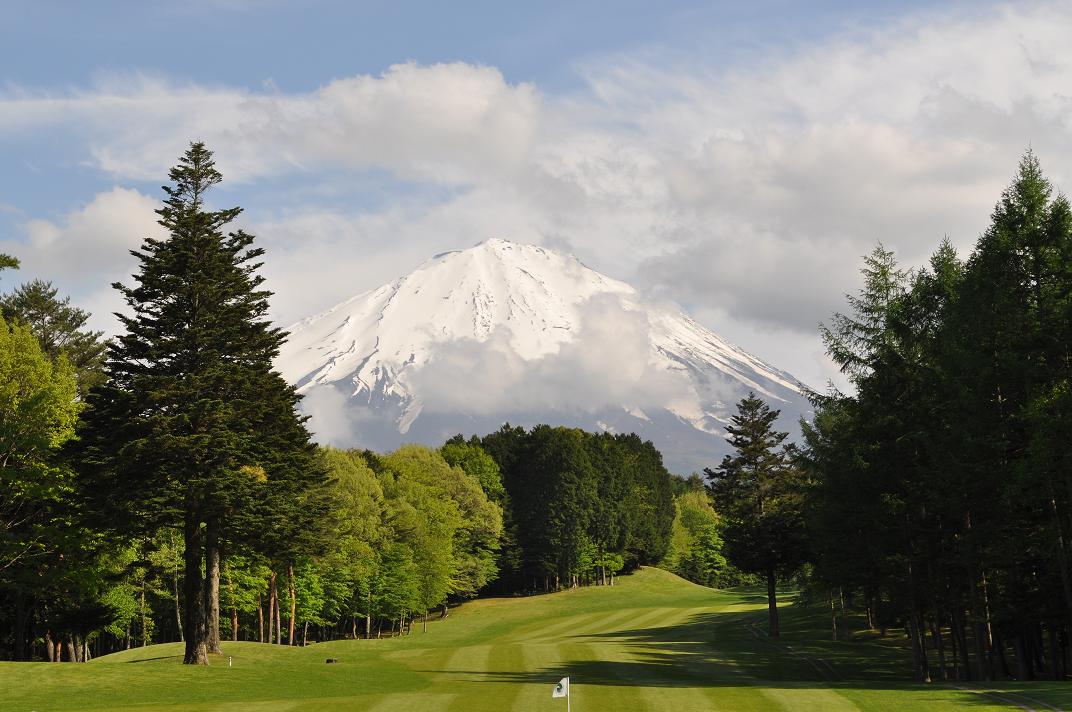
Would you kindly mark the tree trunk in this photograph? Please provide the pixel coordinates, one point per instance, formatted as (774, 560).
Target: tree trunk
(59, 651)
(293, 604)
(368, 616)
(271, 606)
(833, 618)
(212, 585)
(260, 619)
(1056, 655)
(178, 608)
(1023, 665)
(772, 605)
(939, 646)
(144, 633)
(234, 624)
(21, 618)
(961, 637)
(278, 616)
(919, 648)
(196, 631)
(50, 649)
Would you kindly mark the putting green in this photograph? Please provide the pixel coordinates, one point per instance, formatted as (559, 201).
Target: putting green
(652, 642)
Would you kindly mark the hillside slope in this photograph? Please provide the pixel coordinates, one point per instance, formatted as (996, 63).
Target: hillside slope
(652, 643)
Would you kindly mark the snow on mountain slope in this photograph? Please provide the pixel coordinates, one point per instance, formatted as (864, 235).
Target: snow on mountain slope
(505, 331)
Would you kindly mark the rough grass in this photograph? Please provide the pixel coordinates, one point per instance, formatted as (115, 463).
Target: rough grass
(653, 642)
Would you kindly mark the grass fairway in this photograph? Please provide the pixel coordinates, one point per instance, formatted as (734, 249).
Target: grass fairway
(653, 642)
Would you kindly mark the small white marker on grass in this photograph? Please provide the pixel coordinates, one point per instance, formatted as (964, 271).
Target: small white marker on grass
(229, 661)
(562, 690)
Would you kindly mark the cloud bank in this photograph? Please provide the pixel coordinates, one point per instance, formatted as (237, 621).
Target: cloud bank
(745, 192)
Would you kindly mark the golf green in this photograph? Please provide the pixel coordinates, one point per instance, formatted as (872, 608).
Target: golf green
(652, 642)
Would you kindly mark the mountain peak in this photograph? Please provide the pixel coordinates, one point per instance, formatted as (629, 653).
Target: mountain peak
(508, 331)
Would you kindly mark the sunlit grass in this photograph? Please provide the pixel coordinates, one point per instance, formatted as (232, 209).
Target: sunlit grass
(653, 642)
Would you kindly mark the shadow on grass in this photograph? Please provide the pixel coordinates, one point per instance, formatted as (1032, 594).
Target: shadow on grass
(158, 657)
(730, 650)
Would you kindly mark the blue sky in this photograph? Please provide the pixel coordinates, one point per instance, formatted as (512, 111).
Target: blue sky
(737, 158)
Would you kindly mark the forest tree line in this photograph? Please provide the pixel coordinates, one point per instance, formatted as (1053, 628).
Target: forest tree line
(162, 486)
(941, 487)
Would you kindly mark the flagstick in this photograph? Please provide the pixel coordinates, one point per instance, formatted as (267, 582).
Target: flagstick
(567, 698)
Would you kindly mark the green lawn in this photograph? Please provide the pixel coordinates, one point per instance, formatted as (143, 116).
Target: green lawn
(653, 642)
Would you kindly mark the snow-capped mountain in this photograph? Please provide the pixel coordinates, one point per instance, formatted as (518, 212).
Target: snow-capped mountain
(509, 332)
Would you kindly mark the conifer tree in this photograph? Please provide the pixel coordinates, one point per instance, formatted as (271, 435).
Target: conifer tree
(759, 492)
(59, 328)
(193, 429)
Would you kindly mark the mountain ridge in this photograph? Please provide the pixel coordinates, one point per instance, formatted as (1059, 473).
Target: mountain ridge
(506, 331)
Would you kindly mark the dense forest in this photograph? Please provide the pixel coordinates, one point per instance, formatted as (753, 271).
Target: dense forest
(941, 493)
(162, 486)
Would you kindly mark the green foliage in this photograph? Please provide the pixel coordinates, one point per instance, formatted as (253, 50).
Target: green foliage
(8, 262)
(943, 496)
(477, 463)
(193, 426)
(578, 502)
(59, 329)
(695, 551)
(759, 492)
(38, 412)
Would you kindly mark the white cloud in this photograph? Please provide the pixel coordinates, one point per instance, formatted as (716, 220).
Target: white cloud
(608, 363)
(88, 249)
(445, 123)
(746, 192)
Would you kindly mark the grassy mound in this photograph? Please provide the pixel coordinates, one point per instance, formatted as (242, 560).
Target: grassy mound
(653, 642)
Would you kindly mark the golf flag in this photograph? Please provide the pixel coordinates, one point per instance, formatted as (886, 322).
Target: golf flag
(562, 688)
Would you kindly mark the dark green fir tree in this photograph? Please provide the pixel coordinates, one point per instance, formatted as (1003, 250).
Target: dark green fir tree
(193, 429)
(758, 491)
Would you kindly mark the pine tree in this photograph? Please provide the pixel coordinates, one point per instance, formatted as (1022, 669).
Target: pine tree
(59, 328)
(759, 492)
(8, 262)
(193, 429)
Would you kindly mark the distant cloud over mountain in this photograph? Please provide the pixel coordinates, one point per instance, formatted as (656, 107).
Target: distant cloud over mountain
(510, 332)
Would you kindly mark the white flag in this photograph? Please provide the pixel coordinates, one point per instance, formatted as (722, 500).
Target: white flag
(562, 688)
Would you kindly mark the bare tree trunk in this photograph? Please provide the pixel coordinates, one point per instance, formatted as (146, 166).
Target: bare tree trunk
(939, 645)
(195, 629)
(368, 616)
(50, 649)
(260, 619)
(833, 618)
(293, 604)
(772, 605)
(234, 624)
(278, 620)
(144, 632)
(271, 607)
(919, 649)
(212, 586)
(178, 608)
(59, 651)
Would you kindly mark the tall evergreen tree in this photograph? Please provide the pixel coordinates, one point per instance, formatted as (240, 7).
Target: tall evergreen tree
(759, 492)
(193, 429)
